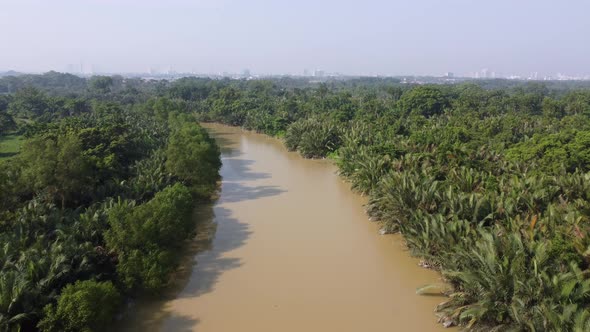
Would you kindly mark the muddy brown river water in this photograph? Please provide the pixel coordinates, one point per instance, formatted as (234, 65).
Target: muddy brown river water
(288, 247)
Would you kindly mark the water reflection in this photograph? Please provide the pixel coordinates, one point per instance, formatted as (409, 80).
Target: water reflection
(239, 169)
(237, 192)
(210, 264)
(287, 247)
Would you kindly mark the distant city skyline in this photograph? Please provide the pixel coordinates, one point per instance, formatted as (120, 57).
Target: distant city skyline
(87, 69)
(484, 73)
(373, 37)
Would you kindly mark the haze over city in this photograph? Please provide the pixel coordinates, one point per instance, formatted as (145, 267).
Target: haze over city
(373, 37)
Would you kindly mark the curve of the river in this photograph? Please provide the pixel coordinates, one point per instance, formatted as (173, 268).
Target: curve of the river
(288, 247)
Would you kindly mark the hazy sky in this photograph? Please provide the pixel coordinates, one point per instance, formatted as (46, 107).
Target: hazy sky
(370, 37)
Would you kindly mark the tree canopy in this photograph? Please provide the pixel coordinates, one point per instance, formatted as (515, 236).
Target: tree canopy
(487, 180)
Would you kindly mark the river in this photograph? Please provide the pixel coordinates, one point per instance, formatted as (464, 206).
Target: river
(287, 247)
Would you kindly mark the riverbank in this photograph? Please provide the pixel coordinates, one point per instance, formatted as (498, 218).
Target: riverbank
(292, 251)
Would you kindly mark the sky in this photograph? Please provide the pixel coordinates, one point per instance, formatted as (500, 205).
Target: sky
(368, 37)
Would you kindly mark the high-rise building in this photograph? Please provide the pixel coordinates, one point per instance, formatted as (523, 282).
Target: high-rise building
(318, 73)
(485, 73)
(72, 69)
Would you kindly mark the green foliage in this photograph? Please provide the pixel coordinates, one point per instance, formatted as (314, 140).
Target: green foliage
(100, 84)
(313, 138)
(423, 100)
(193, 157)
(487, 180)
(121, 214)
(55, 164)
(511, 282)
(7, 123)
(31, 103)
(150, 177)
(569, 150)
(489, 186)
(83, 306)
(144, 235)
(227, 106)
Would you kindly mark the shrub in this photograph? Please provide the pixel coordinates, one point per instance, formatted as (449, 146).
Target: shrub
(143, 235)
(82, 307)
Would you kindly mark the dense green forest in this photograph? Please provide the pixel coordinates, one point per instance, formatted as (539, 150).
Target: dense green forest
(488, 181)
(97, 204)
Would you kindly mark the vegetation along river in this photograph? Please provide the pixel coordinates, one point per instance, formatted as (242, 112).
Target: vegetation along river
(288, 247)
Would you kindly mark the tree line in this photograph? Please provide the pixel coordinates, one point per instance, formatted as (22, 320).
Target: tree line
(97, 205)
(488, 181)
(490, 186)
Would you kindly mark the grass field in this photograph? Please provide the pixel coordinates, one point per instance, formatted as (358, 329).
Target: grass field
(10, 145)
